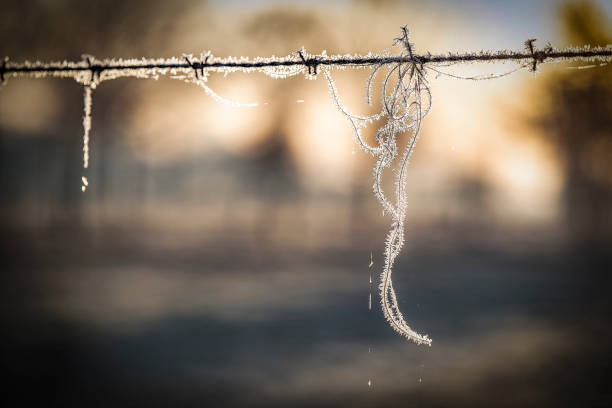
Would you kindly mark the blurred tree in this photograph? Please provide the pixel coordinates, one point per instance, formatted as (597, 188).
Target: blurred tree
(579, 118)
(59, 29)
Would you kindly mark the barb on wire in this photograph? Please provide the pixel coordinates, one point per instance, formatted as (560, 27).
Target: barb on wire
(310, 63)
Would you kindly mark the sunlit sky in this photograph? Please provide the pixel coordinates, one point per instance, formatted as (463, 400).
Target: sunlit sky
(502, 20)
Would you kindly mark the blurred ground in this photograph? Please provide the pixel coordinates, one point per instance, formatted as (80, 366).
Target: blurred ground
(220, 255)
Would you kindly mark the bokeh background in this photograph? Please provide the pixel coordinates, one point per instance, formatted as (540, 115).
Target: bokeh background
(220, 255)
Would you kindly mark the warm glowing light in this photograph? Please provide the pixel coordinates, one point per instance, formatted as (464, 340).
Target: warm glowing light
(197, 124)
(321, 144)
(29, 106)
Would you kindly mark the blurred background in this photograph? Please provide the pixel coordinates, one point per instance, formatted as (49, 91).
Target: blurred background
(220, 255)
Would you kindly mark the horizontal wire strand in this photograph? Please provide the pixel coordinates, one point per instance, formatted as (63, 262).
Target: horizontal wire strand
(537, 57)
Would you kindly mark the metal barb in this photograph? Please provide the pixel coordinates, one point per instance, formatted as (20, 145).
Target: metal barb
(310, 63)
(538, 56)
(304, 60)
(195, 67)
(94, 69)
(202, 65)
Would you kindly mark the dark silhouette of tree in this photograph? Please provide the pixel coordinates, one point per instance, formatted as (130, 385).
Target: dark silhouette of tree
(579, 118)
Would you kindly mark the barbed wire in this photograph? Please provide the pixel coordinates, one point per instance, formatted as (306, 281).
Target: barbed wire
(311, 62)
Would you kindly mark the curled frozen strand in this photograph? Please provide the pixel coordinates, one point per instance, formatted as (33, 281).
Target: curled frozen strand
(357, 122)
(482, 77)
(388, 298)
(378, 191)
(405, 101)
(369, 80)
(201, 83)
(407, 94)
(340, 105)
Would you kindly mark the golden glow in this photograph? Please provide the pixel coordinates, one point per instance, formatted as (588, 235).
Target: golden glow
(469, 132)
(195, 123)
(321, 142)
(29, 106)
